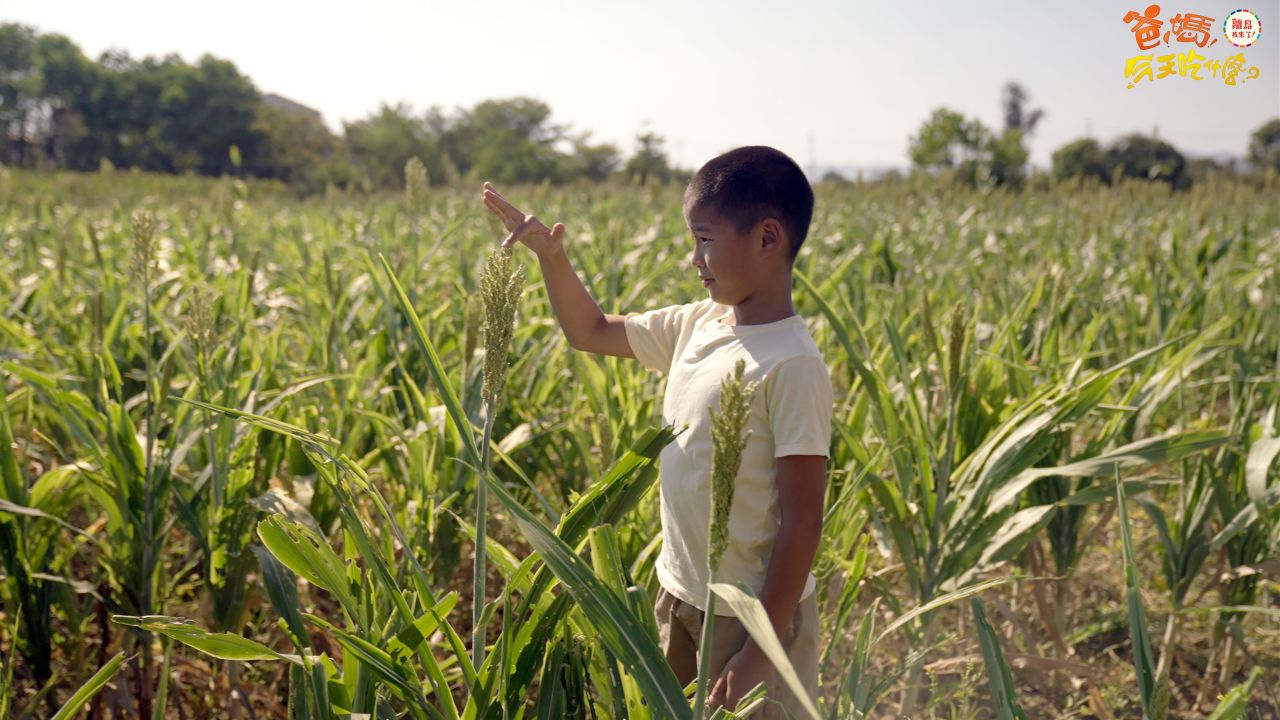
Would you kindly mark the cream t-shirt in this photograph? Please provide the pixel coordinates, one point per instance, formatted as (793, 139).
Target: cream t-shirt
(790, 415)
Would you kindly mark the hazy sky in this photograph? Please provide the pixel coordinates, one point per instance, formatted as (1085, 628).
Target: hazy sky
(850, 80)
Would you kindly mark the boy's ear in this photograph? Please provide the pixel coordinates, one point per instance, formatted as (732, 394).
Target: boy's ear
(773, 238)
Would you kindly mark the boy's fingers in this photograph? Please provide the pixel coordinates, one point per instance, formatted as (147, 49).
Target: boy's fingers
(504, 208)
(509, 219)
(496, 210)
(490, 189)
(511, 240)
(524, 229)
(511, 211)
(527, 226)
(505, 222)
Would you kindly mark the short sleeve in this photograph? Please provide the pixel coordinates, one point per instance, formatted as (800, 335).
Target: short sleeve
(799, 398)
(653, 335)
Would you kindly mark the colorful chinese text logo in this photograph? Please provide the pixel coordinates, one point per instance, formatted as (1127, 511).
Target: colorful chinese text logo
(1242, 28)
(1149, 33)
(1189, 28)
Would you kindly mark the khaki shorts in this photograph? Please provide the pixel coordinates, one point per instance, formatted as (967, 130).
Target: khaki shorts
(680, 633)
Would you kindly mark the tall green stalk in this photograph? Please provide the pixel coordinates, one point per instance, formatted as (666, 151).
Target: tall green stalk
(144, 227)
(500, 289)
(727, 443)
(1152, 688)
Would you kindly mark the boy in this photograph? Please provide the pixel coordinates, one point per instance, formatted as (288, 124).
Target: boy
(749, 211)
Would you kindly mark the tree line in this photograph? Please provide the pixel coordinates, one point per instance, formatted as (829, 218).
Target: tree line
(61, 110)
(964, 148)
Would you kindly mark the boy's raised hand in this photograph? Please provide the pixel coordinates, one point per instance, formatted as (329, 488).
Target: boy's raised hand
(527, 229)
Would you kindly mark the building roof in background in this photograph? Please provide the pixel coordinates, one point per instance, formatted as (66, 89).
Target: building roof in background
(291, 106)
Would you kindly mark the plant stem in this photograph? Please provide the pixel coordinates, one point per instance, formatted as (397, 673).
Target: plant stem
(233, 680)
(148, 501)
(1167, 644)
(478, 577)
(914, 691)
(704, 655)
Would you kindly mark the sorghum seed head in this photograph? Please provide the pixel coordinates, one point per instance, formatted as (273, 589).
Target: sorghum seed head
(926, 319)
(500, 289)
(415, 181)
(957, 331)
(143, 224)
(198, 321)
(727, 443)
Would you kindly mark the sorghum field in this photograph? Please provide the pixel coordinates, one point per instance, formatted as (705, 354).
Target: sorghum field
(245, 442)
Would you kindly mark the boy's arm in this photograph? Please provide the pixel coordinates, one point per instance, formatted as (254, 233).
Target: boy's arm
(800, 481)
(584, 325)
(801, 485)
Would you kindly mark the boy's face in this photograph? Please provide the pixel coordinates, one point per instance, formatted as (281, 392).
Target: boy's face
(726, 259)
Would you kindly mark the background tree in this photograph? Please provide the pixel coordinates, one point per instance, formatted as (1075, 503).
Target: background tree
(949, 143)
(833, 177)
(66, 76)
(213, 108)
(1204, 168)
(650, 160)
(1148, 158)
(1083, 158)
(1008, 159)
(299, 149)
(20, 90)
(507, 141)
(1133, 156)
(108, 113)
(59, 109)
(1264, 146)
(1017, 116)
(594, 162)
(1009, 152)
(382, 143)
(946, 140)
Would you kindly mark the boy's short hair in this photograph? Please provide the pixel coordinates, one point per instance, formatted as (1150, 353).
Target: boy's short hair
(751, 183)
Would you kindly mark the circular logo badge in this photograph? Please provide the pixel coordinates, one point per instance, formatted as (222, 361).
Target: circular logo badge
(1242, 28)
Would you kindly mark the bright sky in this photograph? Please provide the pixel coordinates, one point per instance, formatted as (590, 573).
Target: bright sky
(848, 81)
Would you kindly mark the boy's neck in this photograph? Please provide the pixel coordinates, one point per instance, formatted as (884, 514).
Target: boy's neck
(763, 306)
